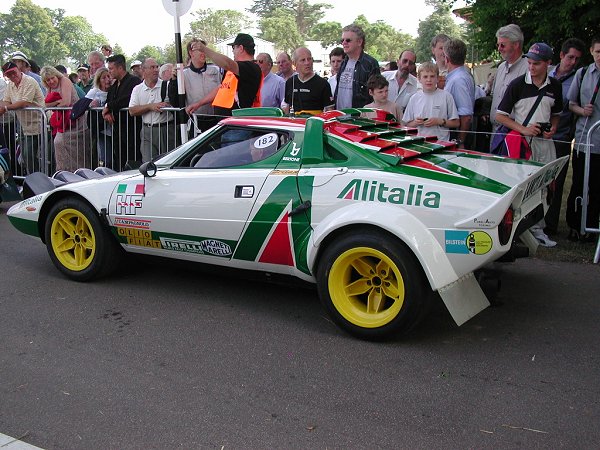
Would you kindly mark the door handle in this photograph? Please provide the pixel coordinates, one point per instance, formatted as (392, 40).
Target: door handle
(244, 192)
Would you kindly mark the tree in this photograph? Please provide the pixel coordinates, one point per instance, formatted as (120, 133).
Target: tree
(149, 51)
(385, 43)
(214, 26)
(551, 21)
(328, 33)
(29, 28)
(281, 29)
(79, 37)
(439, 21)
(305, 14)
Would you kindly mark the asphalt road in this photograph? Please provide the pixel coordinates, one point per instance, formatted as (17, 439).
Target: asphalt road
(166, 356)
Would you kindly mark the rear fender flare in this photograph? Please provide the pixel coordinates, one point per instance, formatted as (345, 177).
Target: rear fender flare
(403, 225)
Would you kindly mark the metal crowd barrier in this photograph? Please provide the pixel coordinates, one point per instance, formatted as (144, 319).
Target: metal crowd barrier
(90, 141)
(586, 189)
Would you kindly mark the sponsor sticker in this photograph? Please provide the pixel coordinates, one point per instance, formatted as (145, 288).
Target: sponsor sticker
(128, 222)
(214, 247)
(205, 247)
(141, 238)
(484, 223)
(456, 241)
(182, 245)
(32, 200)
(465, 242)
(479, 242)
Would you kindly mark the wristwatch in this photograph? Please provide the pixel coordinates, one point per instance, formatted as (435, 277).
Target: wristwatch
(443, 122)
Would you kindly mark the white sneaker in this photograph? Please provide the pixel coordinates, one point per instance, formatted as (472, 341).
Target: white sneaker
(542, 238)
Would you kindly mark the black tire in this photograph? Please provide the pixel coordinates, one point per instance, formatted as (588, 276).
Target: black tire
(79, 246)
(391, 294)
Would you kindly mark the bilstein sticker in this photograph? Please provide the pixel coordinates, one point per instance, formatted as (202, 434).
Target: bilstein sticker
(464, 242)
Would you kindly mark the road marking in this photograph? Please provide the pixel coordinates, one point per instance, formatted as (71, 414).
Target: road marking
(11, 443)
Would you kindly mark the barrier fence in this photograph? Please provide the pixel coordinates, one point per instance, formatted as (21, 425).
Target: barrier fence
(47, 140)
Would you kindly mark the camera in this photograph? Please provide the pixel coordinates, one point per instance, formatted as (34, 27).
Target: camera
(545, 126)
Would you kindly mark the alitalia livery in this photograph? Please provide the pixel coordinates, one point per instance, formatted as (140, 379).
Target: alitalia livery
(376, 216)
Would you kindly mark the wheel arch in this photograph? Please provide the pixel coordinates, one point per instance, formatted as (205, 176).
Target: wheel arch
(405, 228)
(51, 201)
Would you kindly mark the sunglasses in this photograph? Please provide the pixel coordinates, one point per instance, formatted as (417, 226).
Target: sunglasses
(260, 61)
(345, 40)
(502, 45)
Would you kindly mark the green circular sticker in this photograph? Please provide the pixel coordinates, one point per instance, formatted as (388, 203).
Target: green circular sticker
(479, 242)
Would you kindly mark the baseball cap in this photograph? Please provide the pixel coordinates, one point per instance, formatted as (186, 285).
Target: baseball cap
(8, 67)
(137, 62)
(19, 55)
(83, 67)
(540, 52)
(243, 39)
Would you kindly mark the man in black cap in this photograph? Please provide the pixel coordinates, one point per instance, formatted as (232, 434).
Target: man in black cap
(240, 87)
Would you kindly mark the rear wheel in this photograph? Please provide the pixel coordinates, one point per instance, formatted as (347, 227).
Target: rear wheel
(372, 285)
(78, 244)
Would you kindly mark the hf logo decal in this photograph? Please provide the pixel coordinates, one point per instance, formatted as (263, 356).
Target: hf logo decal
(129, 198)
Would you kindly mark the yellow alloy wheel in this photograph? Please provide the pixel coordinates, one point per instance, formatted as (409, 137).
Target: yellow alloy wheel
(366, 287)
(73, 239)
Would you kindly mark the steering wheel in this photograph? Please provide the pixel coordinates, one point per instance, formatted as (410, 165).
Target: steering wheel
(195, 160)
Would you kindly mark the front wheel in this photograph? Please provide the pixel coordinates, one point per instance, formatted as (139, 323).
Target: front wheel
(372, 285)
(79, 246)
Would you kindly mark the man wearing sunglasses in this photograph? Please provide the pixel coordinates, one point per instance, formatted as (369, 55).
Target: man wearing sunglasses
(510, 45)
(351, 90)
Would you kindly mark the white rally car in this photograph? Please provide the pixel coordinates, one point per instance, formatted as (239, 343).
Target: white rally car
(376, 216)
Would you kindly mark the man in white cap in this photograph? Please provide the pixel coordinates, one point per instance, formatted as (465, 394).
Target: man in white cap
(85, 81)
(136, 69)
(21, 92)
(22, 63)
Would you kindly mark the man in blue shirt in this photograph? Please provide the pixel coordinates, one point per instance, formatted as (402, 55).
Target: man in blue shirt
(460, 84)
(272, 91)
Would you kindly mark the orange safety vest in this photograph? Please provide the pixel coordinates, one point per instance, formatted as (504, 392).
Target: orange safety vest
(228, 90)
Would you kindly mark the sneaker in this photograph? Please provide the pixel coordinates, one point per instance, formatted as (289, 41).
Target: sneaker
(542, 238)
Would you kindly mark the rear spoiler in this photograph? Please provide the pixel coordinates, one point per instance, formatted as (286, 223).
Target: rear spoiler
(516, 196)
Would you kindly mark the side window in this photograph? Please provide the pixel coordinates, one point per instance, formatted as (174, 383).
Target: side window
(237, 146)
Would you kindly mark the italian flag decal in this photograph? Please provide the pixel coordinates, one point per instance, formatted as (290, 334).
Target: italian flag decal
(130, 189)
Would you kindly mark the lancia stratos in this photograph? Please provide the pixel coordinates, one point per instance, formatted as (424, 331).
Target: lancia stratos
(379, 218)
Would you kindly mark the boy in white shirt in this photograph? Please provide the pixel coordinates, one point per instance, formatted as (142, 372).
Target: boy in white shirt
(431, 110)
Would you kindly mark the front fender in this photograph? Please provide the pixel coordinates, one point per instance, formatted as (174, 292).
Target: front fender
(402, 224)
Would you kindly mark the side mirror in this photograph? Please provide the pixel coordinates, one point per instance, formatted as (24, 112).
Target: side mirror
(148, 169)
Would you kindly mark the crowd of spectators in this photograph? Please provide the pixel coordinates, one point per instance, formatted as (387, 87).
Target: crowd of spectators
(551, 106)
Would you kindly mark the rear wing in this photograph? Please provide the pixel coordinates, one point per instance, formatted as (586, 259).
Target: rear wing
(518, 196)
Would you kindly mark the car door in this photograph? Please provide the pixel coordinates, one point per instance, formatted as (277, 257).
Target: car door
(198, 211)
